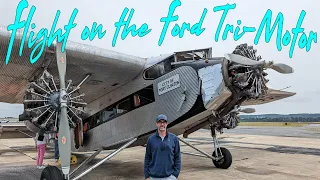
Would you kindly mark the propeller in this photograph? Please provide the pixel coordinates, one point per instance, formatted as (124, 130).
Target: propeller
(242, 60)
(247, 110)
(279, 67)
(64, 132)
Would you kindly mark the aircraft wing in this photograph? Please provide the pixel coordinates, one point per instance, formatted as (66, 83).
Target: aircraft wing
(15, 130)
(108, 69)
(270, 96)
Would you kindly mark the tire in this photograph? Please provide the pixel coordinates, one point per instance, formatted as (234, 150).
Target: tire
(226, 161)
(51, 173)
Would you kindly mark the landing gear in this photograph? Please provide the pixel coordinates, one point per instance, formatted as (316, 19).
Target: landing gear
(221, 157)
(226, 161)
(51, 173)
(100, 162)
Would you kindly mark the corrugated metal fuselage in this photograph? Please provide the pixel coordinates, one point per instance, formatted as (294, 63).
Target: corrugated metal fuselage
(179, 94)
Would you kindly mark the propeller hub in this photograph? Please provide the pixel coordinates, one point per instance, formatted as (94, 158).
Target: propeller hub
(54, 100)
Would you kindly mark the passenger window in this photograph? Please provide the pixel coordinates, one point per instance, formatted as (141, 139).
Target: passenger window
(99, 119)
(95, 120)
(137, 100)
(124, 107)
(108, 114)
(141, 98)
(144, 97)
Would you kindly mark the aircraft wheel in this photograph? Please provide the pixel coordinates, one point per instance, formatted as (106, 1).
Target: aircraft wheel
(51, 173)
(226, 161)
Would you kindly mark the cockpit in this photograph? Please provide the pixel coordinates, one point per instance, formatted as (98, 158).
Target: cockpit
(193, 55)
(163, 64)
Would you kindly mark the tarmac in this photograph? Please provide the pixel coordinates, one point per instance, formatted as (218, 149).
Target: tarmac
(258, 153)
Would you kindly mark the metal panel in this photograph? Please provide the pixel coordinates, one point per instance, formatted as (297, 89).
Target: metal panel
(171, 101)
(191, 122)
(213, 90)
(142, 120)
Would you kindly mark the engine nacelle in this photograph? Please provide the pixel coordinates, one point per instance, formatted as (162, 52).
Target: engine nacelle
(227, 84)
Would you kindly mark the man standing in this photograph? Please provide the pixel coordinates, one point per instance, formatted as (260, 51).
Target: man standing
(162, 158)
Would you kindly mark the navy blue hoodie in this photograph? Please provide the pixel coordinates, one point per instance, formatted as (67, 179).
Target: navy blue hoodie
(162, 158)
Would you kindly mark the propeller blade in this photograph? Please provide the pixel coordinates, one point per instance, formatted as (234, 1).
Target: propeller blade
(242, 60)
(279, 67)
(62, 65)
(282, 68)
(64, 132)
(64, 141)
(248, 110)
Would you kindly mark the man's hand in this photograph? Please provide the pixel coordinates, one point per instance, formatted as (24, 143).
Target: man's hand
(148, 179)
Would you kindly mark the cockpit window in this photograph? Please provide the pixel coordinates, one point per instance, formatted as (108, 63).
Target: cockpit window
(155, 71)
(190, 56)
(196, 54)
(165, 66)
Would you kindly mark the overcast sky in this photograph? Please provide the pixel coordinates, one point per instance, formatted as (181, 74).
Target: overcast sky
(306, 64)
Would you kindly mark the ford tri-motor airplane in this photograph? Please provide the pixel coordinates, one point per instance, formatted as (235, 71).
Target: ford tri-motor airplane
(98, 99)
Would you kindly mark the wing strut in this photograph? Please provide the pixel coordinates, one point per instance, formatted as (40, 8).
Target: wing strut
(104, 159)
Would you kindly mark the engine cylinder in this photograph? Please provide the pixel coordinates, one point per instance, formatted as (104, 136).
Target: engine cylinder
(250, 80)
(42, 103)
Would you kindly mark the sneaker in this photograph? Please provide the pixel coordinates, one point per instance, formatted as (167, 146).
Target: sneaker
(42, 167)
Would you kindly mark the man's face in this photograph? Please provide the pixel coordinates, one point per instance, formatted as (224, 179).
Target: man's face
(162, 125)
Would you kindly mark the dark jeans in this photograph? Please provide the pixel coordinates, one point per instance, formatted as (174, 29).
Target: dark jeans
(56, 150)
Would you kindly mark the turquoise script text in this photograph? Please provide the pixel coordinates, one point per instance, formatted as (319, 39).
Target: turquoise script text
(177, 30)
(43, 35)
(86, 33)
(142, 31)
(285, 39)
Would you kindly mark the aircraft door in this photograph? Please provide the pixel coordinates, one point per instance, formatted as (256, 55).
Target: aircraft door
(78, 135)
(176, 92)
